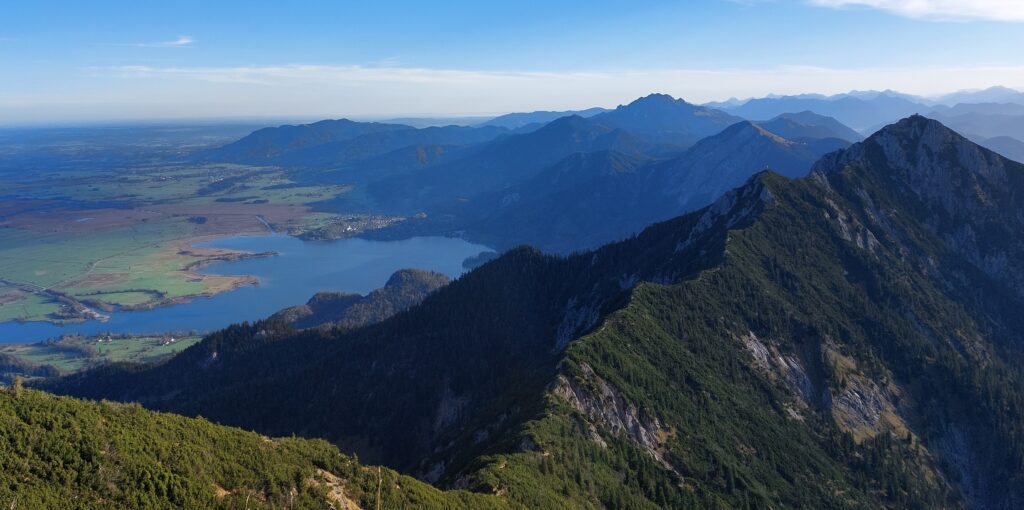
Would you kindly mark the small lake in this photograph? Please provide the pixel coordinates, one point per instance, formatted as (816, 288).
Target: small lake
(300, 270)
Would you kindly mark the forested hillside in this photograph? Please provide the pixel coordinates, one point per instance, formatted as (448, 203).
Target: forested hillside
(58, 452)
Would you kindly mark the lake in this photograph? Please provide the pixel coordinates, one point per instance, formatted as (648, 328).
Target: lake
(300, 270)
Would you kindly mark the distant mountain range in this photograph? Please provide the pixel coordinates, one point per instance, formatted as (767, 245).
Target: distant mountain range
(990, 95)
(661, 118)
(859, 112)
(588, 199)
(867, 111)
(577, 182)
(807, 125)
(986, 125)
(269, 143)
(849, 339)
(1009, 147)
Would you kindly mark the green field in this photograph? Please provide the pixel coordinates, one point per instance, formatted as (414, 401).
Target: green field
(153, 184)
(79, 245)
(75, 353)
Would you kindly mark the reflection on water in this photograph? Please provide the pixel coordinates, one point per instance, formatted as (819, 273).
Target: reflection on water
(300, 270)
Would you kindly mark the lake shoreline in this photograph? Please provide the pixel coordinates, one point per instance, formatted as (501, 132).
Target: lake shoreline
(278, 271)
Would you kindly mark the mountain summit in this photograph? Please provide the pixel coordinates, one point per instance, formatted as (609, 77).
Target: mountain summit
(967, 195)
(664, 119)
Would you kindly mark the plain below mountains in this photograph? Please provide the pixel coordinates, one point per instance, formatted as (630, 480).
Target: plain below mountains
(850, 339)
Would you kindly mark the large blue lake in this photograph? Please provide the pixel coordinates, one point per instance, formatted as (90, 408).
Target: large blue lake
(300, 270)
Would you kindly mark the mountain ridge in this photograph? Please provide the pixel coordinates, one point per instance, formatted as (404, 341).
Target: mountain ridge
(664, 119)
(798, 343)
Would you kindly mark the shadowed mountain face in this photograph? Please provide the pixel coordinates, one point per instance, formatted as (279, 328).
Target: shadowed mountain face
(990, 95)
(405, 288)
(506, 161)
(589, 199)
(847, 340)
(724, 161)
(404, 171)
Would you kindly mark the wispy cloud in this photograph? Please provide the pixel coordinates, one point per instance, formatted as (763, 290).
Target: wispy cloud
(305, 73)
(181, 42)
(940, 10)
(698, 84)
(306, 90)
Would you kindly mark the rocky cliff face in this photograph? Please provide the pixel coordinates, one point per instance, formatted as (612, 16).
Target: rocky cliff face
(969, 196)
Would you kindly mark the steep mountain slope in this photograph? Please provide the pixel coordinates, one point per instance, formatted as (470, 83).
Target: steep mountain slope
(663, 119)
(583, 201)
(721, 162)
(64, 453)
(808, 125)
(404, 289)
(968, 196)
(1009, 147)
(847, 340)
(857, 112)
(506, 161)
(589, 199)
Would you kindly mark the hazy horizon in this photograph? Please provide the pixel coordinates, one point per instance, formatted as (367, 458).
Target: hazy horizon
(117, 61)
(480, 116)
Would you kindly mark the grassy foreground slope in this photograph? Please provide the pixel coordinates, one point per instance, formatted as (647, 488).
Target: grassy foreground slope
(58, 452)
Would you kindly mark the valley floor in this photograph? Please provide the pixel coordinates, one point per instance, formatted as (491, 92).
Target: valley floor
(128, 238)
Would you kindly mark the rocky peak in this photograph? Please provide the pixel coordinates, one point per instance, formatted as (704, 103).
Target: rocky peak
(658, 99)
(967, 195)
(915, 144)
(942, 167)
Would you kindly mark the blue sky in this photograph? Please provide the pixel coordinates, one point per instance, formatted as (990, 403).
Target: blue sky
(80, 61)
